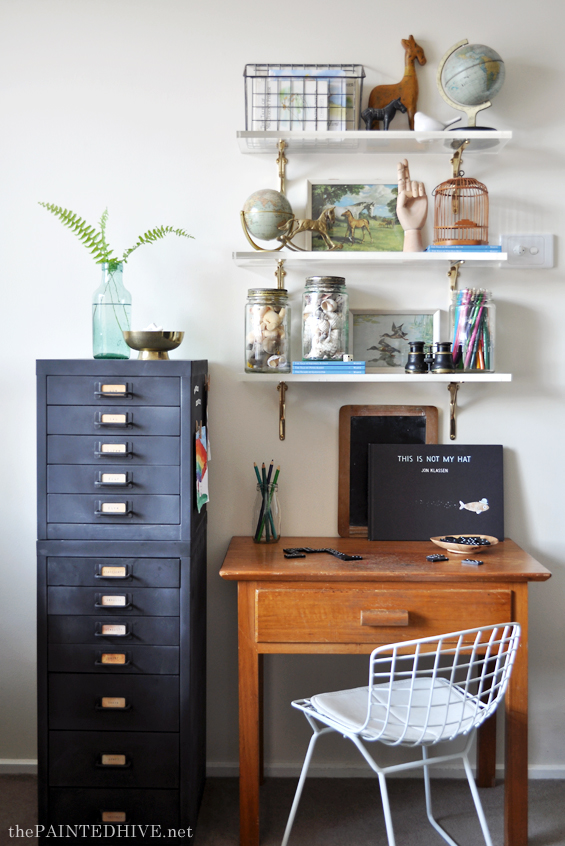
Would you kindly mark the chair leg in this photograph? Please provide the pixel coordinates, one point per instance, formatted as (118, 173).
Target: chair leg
(476, 800)
(302, 779)
(386, 810)
(428, 790)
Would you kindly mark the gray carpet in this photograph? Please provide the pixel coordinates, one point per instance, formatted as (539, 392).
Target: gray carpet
(335, 812)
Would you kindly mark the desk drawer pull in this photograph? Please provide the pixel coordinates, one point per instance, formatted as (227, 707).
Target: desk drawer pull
(113, 659)
(113, 703)
(113, 450)
(114, 760)
(112, 630)
(113, 601)
(114, 817)
(123, 420)
(384, 617)
(113, 509)
(104, 390)
(112, 480)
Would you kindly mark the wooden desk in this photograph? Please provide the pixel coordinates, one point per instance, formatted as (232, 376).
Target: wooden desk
(315, 605)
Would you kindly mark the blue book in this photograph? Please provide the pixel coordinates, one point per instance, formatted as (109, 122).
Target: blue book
(338, 364)
(474, 248)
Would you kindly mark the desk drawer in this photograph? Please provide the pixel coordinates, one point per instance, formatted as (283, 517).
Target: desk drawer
(164, 631)
(113, 508)
(113, 703)
(119, 390)
(135, 572)
(158, 602)
(93, 806)
(111, 450)
(115, 419)
(373, 615)
(108, 659)
(144, 759)
(119, 478)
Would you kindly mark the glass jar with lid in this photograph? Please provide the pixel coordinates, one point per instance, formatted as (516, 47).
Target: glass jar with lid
(267, 331)
(325, 319)
(472, 320)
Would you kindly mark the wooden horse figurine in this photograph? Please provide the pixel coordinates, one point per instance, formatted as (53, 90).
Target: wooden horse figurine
(407, 88)
(370, 116)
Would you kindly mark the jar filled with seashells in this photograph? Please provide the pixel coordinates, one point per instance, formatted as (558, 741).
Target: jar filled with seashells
(267, 331)
(325, 319)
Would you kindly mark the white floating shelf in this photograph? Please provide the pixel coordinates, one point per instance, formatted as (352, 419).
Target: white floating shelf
(423, 378)
(256, 259)
(394, 142)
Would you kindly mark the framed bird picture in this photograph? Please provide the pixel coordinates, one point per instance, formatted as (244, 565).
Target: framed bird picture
(381, 338)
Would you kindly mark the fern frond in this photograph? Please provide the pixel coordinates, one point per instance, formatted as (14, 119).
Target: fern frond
(153, 235)
(93, 240)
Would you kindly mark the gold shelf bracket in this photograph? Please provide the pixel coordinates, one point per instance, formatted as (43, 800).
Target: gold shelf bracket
(282, 161)
(282, 388)
(453, 388)
(280, 273)
(453, 274)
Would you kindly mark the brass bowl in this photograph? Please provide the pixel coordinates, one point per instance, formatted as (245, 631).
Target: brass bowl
(464, 548)
(153, 345)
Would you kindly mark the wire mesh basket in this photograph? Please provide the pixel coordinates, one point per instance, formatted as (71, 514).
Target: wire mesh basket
(303, 97)
(461, 212)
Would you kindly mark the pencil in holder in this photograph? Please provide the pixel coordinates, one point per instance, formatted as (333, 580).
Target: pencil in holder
(266, 524)
(472, 319)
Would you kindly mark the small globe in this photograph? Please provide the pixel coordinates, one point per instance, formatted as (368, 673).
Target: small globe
(264, 211)
(473, 74)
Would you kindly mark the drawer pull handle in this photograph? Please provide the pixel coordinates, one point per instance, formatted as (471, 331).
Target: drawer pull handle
(103, 450)
(112, 703)
(113, 601)
(112, 630)
(105, 571)
(384, 617)
(105, 390)
(113, 421)
(114, 509)
(114, 480)
(113, 659)
(114, 817)
(114, 760)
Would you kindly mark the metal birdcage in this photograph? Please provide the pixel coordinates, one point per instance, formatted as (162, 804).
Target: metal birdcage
(460, 209)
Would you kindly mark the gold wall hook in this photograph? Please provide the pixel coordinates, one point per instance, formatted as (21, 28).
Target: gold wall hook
(453, 387)
(453, 274)
(282, 161)
(282, 388)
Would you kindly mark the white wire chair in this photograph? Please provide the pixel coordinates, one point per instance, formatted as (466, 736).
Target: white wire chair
(420, 693)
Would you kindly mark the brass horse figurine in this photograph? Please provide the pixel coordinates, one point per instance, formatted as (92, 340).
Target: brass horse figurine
(292, 227)
(407, 88)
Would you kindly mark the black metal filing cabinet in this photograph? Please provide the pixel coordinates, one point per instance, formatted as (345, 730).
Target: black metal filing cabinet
(121, 595)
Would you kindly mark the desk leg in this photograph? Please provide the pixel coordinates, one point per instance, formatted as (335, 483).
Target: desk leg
(249, 731)
(516, 745)
(486, 748)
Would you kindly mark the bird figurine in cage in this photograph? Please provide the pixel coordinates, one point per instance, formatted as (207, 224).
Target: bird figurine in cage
(460, 209)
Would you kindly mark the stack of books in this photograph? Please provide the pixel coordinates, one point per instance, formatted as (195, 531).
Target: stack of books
(329, 367)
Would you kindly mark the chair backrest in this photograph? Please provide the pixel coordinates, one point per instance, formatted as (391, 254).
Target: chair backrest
(433, 689)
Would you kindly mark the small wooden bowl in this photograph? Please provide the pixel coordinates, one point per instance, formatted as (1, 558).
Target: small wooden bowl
(464, 548)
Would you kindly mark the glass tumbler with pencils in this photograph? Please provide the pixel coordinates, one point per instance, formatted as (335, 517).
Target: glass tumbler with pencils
(266, 523)
(472, 315)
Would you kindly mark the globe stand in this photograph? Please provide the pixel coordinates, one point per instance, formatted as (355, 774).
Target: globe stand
(250, 239)
(470, 111)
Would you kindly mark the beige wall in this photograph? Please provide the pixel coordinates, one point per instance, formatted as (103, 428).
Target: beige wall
(134, 105)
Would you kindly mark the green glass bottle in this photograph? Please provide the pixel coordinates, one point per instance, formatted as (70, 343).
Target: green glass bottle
(111, 314)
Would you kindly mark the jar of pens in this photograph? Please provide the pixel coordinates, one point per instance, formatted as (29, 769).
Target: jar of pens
(472, 315)
(266, 525)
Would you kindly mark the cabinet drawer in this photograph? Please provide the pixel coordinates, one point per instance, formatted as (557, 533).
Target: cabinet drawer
(111, 450)
(144, 759)
(113, 703)
(373, 615)
(118, 390)
(164, 631)
(93, 806)
(128, 601)
(135, 572)
(119, 478)
(115, 419)
(108, 659)
(114, 509)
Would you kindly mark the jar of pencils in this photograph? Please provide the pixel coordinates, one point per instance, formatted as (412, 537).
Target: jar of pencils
(472, 320)
(266, 524)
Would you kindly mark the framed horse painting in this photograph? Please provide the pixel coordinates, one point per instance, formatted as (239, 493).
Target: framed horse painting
(360, 217)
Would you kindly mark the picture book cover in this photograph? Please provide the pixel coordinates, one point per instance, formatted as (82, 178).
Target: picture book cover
(420, 491)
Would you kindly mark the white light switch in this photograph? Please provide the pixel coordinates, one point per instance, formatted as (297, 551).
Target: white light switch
(527, 250)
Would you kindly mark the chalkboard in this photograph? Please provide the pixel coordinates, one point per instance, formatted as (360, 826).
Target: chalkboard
(359, 426)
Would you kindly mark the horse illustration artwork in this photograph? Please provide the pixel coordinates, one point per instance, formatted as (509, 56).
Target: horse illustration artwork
(361, 223)
(407, 88)
(386, 114)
